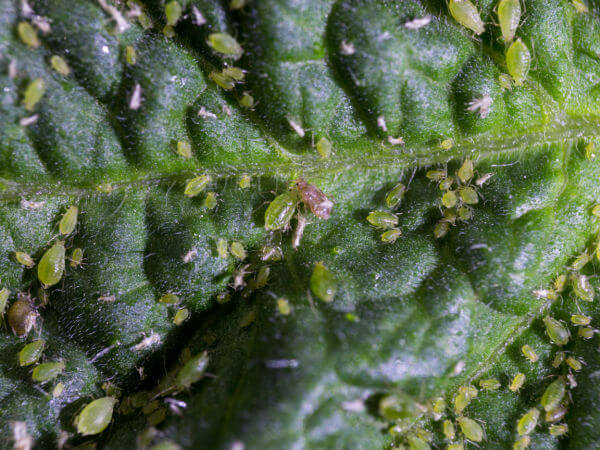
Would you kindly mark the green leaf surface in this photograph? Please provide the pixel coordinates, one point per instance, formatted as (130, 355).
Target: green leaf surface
(410, 322)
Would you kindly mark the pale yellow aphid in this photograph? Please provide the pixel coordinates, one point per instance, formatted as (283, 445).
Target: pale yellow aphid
(447, 144)
(324, 147)
(283, 306)
(466, 13)
(529, 353)
(465, 173)
(509, 16)
(517, 382)
(130, 55)
(184, 148)
(60, 65)
(69, 221)
(518, 61)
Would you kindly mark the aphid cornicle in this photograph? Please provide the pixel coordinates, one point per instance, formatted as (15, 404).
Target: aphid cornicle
(96, 416)
(22, 315)
(518, 61)
(554, 394)
(52, 265)
(509, 16)
(466, 13)
(315, 199)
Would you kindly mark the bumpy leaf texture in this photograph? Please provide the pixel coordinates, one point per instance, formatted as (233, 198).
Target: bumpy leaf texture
(411, 321)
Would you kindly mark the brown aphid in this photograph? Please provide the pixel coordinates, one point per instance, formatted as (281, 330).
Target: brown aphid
(22, 315)
(312, 197)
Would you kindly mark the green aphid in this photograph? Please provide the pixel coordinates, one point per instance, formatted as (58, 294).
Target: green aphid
(465, 213)
(96, 416)
(447, 144)
(210, 201)
(59, 64)
(181, 316)
(184, 148)
(463, 398)
(28, 35)
(456, 446)
(518, 61)
(69, 221)
(416, 443)
(580, 262)
(439, 406)
(222, 248)
(169, 299)
(245, 181)
(395, 196)
(322, 283)
(465, 173)
(22, 315)
(390, 236)
(560, 282)
(556, 414)
(580, 6)
(528, 422)
(105, 188)
(169, 31)
(558, 430)
(446, 184)
(237, 4)
(449, 430)
(586, 332)
(247, 101)
(281, 210)
(468, 195)
(522, 443)
(192, 371)
(237, 250)
(517, 382)
(173, 12)
(580, 319)
(382, 220)
(33, 93)
(324, 147)
(58, 389)
(582, 287)
(554, 394)
(31, 352)
(574, 363)
(262, 277)
(24, 259)
(225, 44)
(196, 185)
(590, 152)
(130, 55)
(490, 384)
(557, 332)
(471, 429)
(466, 14)
(436, 175)
(559, 358)
(4, 295)
(441, 229)
(76, 257)
(47, 371)
(449, 199)
(222, 80)
(529, 353)
(234, 72)
(52, 265)
(283, 306)
(509, 16)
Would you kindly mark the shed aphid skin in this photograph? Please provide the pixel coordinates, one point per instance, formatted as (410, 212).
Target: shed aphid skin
(47, 371)
(449, 430)
(69, 221)
(391, 236)
(96, 416)
(517, 382)
(558, 430)
(173, 12)
(184, 148)
(382, 220)
(281, 210)
(237, 250)
(24, 259)
(522, 443)
(395, 195)
(580, 6)
(301, 223)
(136, 98)
(509, 16)
(554, 394)
(225, 44)
(466, 14)
(206, 114)
(557, 332)
(322, 283)
(148, 342)
(528, 422)
(31, 352)
(107, 299)
(28, 35)
(296, 127)
(31, 205)
(490, 384)
(315, 199)
(471, 429)
(582, 287)
(481, 104)
(574, 363)
(59, 64)
(417, 23)
(33, 93)
(22, 315)
(396, 141)
(52, 265)
(324, 147)
(196, 185)
(192, 371)
(518, 61)
(483, 179)
(169, 299)
(529, 353)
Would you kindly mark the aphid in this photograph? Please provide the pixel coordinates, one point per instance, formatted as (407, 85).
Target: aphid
(529, 353)
(395, 196)
(436, 175)
(557, 332)
(107, 298)
(58, 389)
(390, 236)
(315, 199)
(136, 97)
(395, 141)
(210, 201)
(471, 429)
(262, 278)
(169, 299)
(222, 80)
(590, 151)
(468, 195)
(52, 265)
(559, 283)
(580, 6)
(580, 319)
(33, 93)
(416, 443)
(580, 262)
(196, 185)
(222, 248)
(382, 220)
(247, 101)
(556, 414)
(522, 443)
(582, 287)
(449, 430)
(517, 382)
(69, 221)
(571, 381)
(237, 249)
(130, 55)
(481, 104)
(106, 188)
(96, 416)
(509, 16)
(559, 429)
(465, 213)
(465, 173)
(235, 73)
(586, 332)
(184, 148)
(518, 61)
(31, 352)
(173, 12)
(324, 147)
(528, 422)
(596, 210)
(447, 144)
(559, 358)
(449, 199)
(245, 181)
(4, 294)
(322, 283)
(554, 394)
(458, 446)
(505, 81)
(192, 371)
(463, 398)
(28, 34)
(441, 229)
(22, 315)
(60, 65)
(76, 257)
(489, 385)
(181, 316)
(446, 184)
(47, 371)
(225, 44)
(466, 14)
(574, 363)
(24, 259)
(280, 211)
(283, 306)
